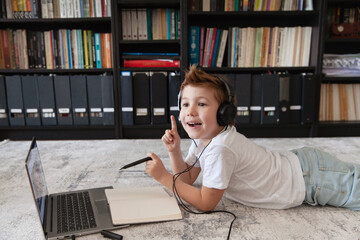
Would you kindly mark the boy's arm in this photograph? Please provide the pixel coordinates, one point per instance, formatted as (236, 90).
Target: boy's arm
(204, 199)
(178, 165)
(171, 140)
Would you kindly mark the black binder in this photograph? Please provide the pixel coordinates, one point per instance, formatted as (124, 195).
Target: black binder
(174, 88)
(270, 99)
(4, 121)
(243, 94)
(308, 98)
(79, 100)
(94, 90)
(47, 100)
(15, 100)
(107, 88)
(127, 107)
(255, 104)
(141, 97)
(159, 98)
(63, 100)
(295, 98)
(31, 100)
(230, 78)
(284, 98)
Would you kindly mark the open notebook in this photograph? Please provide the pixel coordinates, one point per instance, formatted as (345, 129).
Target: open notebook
(140, 205)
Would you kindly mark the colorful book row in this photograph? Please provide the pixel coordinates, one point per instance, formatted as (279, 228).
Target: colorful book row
(343, 22)
(250, 47)
(17, 9)
(340, 102)
(250, 5)
(270, 47)
(150, 23)
(207, 46)
(54, 49)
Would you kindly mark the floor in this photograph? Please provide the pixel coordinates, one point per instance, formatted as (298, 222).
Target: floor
(71, 165)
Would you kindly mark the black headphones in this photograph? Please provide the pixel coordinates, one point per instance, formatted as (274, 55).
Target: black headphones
(226, 111)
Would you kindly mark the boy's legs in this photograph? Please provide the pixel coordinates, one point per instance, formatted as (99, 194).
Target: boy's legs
(329, 180)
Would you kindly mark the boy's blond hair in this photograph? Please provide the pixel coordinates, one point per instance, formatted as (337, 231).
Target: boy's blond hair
(197, 77)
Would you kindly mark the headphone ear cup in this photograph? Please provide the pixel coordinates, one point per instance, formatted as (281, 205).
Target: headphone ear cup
(226, 113)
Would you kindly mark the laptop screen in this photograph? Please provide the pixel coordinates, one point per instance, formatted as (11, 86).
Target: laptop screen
(37, 180)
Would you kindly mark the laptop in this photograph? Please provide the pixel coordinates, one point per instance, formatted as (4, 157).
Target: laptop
(68, 214)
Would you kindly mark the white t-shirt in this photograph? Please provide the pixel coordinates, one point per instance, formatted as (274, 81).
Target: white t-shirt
(251, 174)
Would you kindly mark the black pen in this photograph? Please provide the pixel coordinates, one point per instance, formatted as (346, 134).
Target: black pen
(111, 235)
(136, 163)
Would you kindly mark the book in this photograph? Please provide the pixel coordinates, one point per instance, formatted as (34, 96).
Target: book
(98, 50)
(216, 48)
(211, 50)
(152, 63)
(221, 52)
(140, 205)
(194, 41)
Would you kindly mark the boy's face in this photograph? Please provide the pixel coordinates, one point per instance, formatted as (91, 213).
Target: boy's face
(198, 112)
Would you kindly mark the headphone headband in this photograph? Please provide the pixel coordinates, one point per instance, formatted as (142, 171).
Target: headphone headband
(229, 89)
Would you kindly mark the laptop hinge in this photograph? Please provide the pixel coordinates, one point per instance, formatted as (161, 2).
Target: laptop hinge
(47, 221)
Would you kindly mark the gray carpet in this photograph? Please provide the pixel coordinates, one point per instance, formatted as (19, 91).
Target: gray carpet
(71, 165)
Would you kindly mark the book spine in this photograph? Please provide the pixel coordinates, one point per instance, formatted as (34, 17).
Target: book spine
(212, 47)
(85, 47)
(107, 50)
(222, 47)
(81, 49)
(98, 50)
(194, 50)
(6, 48)
(68, 35)
(216, 48)
(89, 41)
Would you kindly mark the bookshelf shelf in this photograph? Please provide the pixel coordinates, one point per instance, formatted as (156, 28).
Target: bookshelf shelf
(46, 128)
(253, 19)
(150, 57)
(29, 21)
(149, 42)
(343, 40)
(342, 2)
(260, 69)
(49, 133)
(99, 24)
(341, 80)
(148, 69)
(57, 71)
(147, 3)
(336, 129)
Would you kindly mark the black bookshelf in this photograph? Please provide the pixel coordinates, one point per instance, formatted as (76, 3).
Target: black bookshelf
(320, 44)
(58, 132)
(95, 24)
(338, 45)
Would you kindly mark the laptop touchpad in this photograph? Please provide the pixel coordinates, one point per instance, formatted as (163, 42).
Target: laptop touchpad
(102, 207)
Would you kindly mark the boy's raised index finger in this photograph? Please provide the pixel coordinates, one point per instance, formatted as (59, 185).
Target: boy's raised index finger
(173, 123)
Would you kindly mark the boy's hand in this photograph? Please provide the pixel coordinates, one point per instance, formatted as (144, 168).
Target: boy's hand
(171, 138)
(155, 167)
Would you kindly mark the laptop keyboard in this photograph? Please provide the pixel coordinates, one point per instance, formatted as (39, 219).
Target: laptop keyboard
(74, 212)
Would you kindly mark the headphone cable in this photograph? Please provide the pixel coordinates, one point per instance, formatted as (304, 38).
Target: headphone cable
(186, 208)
